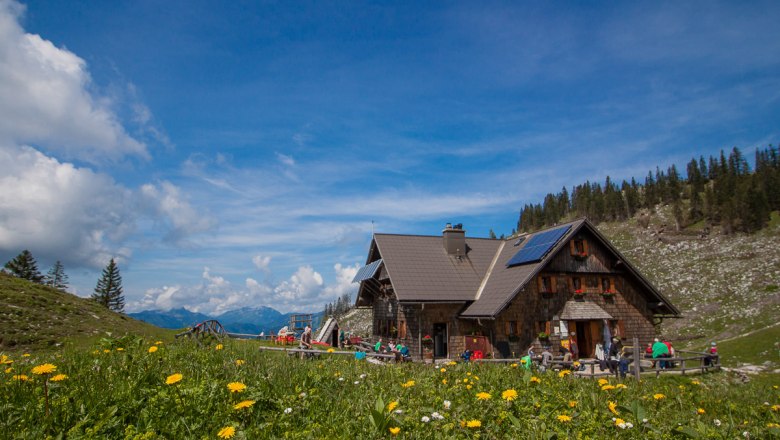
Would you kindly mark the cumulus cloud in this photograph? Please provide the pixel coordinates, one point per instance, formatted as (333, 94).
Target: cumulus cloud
(262, 262)
(44, 98)
(168, 204)
(304, 291)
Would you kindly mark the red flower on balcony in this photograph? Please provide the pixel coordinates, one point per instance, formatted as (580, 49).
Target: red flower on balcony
(579, 292)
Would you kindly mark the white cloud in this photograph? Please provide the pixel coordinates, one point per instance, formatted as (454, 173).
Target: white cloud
(262, 262)
(44, 98)
(285, 159)
(168, 204)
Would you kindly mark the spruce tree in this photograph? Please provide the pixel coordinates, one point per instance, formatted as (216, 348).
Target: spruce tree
(108, 291)
(24, 266)
(56, 277)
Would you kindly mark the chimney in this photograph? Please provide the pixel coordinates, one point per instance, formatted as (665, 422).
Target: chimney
(454, 239)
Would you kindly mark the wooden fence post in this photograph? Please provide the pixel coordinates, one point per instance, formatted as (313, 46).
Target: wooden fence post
(637, 359)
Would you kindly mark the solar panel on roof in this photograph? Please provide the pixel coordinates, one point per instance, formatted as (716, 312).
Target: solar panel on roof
(519, 241)
(367, 271)
(538, 246)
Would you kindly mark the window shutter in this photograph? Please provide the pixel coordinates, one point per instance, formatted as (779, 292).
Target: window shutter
(585, 247)
(621, 329)
(572, 248)
(547, 328)
(506, 328)
(612, 284)
(540, 283)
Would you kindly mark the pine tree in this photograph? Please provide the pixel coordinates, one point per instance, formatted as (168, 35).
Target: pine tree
(24, 266)
(108, 291)
(56, 277)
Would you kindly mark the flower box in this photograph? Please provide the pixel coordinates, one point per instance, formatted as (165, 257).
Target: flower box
(580, 256)
(579, 294)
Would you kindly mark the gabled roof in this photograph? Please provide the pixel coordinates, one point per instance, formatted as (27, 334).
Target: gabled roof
(420, 269)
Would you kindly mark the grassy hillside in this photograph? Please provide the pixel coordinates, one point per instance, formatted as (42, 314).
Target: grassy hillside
(726, 286)
(35, 317)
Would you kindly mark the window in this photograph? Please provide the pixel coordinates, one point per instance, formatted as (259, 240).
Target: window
(592, 282)
(547, 284)
(576, 283)
(511, 328)
(578, 247)
(608, 285)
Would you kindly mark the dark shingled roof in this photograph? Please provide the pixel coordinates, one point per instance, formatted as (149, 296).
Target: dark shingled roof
(420, 269)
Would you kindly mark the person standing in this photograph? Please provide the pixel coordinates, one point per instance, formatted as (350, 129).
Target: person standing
(575, 351)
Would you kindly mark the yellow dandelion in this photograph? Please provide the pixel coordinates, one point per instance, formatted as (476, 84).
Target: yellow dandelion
(158, 343)
(236, 387)
(572, 403)
(468, 374)
(476, 377)
(695, 382)
(514, 365)
(607, 387)
(59, 377)
(509, 395)
(219, 347)
(563, 418)
(473, 424)
(468, 387)
(450, 363)
(700, 411)
(619, 422)
(612, 407)
(240, 362)
(106, 351)
(444, 381)
(331, 350)
(483, 396)
(776, 408)
(443, 370)
(152, 349)
(26, 355)
(174, 378)
(120, 349)
(408, 384)
(564, 373)
(5, 360)
(603, 382)
(244, 404)
(523, 361)
(21, 377)
(621, 385)
(44, 369)
(576, 364)
(535, 379)
(772, 425)
(227, 432)
(9, 370)
(394, 430)
(465, 381)
(392, 405)
(659, 396)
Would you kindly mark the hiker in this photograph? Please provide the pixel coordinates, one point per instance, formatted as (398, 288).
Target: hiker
(712, 355)
(618, 363)
(342, 338)
(660, 351)
(378, 346)
(669, 364)
(575, 352)
(466, 355)
(305, 340)
(404, 350)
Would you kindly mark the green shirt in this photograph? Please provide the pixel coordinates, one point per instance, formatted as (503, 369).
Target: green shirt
(659, 348)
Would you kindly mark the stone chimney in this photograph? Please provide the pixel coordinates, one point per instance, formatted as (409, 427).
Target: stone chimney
(454, 239)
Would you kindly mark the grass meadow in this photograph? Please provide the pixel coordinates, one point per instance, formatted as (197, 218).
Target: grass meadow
(133, 388)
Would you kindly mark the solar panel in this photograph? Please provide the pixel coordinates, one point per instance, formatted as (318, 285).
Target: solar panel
(519, 241)
(538, 246)
(367, 271)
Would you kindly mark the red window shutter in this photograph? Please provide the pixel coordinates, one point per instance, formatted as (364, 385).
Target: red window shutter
(572, 247)
(585, 247)
(621, 329)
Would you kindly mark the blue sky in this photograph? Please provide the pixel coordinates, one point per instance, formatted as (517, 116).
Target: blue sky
(234, 154)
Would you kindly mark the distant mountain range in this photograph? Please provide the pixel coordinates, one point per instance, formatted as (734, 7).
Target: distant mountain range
(244, 320)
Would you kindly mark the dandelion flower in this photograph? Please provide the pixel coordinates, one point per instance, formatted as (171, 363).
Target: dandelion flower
(659, 396)
(173, 378)
(120, 349)
(240, 362)
(572, 403)
(444, 381)
(106, 351)
(772, 425)
(9, 369)
(509, 395)
(59, 377)
(603, 382)
(236, 387)
(607, 387)
(227, 432)
(443, 370)
(408, 384)
(514, 365)
(563, 418)
(158, 343)
(612, 407)
(473, 424)
(152, 349)
(331, 350)
(620, 423)
(26, 355)
(564, 373)
(621, 385)
(535, 379)
(219, 347)
(483, 396)
(776, 408)
(468, 387)
(21, 377)
(695, 382)
(44, 369)
(392, 405)
(5, 360)
(465, 381)
(700, 411)
(394, 430)
(244, 404)
(451, 363)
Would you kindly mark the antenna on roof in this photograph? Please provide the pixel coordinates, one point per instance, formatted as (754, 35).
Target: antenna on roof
(372, 228)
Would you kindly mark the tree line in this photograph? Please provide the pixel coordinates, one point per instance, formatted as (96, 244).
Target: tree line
(339, 306)
(721, 191)
(108, 291)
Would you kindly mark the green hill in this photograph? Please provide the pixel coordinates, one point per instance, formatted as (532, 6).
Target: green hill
(38, 317)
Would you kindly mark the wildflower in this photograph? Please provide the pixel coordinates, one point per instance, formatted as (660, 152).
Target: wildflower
(240, 362)
(425, 419)
(468, 374)
(341, 379)
(227, 432)
(695, 382)
(44, 369)
(659, 396)
(473, 424)
(776, 408)
(120, 349)
(450, 363)
(152, 349)
(745, 434)
(363, 376)
(468, 387)
(173, 378)
(408, 384)
(219, 347)
(5, 360)
(603, 382)
(509, 395)
(476, 377)
(563, 418)
(576, 364)
(612, 407)
(607, 387)
(9, 370)
(26, 355)
(447, 404)
(236, 387)
(483, 396)
(437, 416)
(302, 395)
(392, 405)
(331, 350)
(620, 423)
(620, 385)
(395, 430)
(564, 373)
(59, 377)
(514, 365)
(357, 382)
(523, 361)
(716, 422)
(444, 381)
(399, 411)
(443, 370)
(465, 381)
(572, 403)
(772, 425)
(244, 404)
(700, 411)
(158, 343)
(535, 379)
(106, 351)
(21, 377)
(287, 410)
